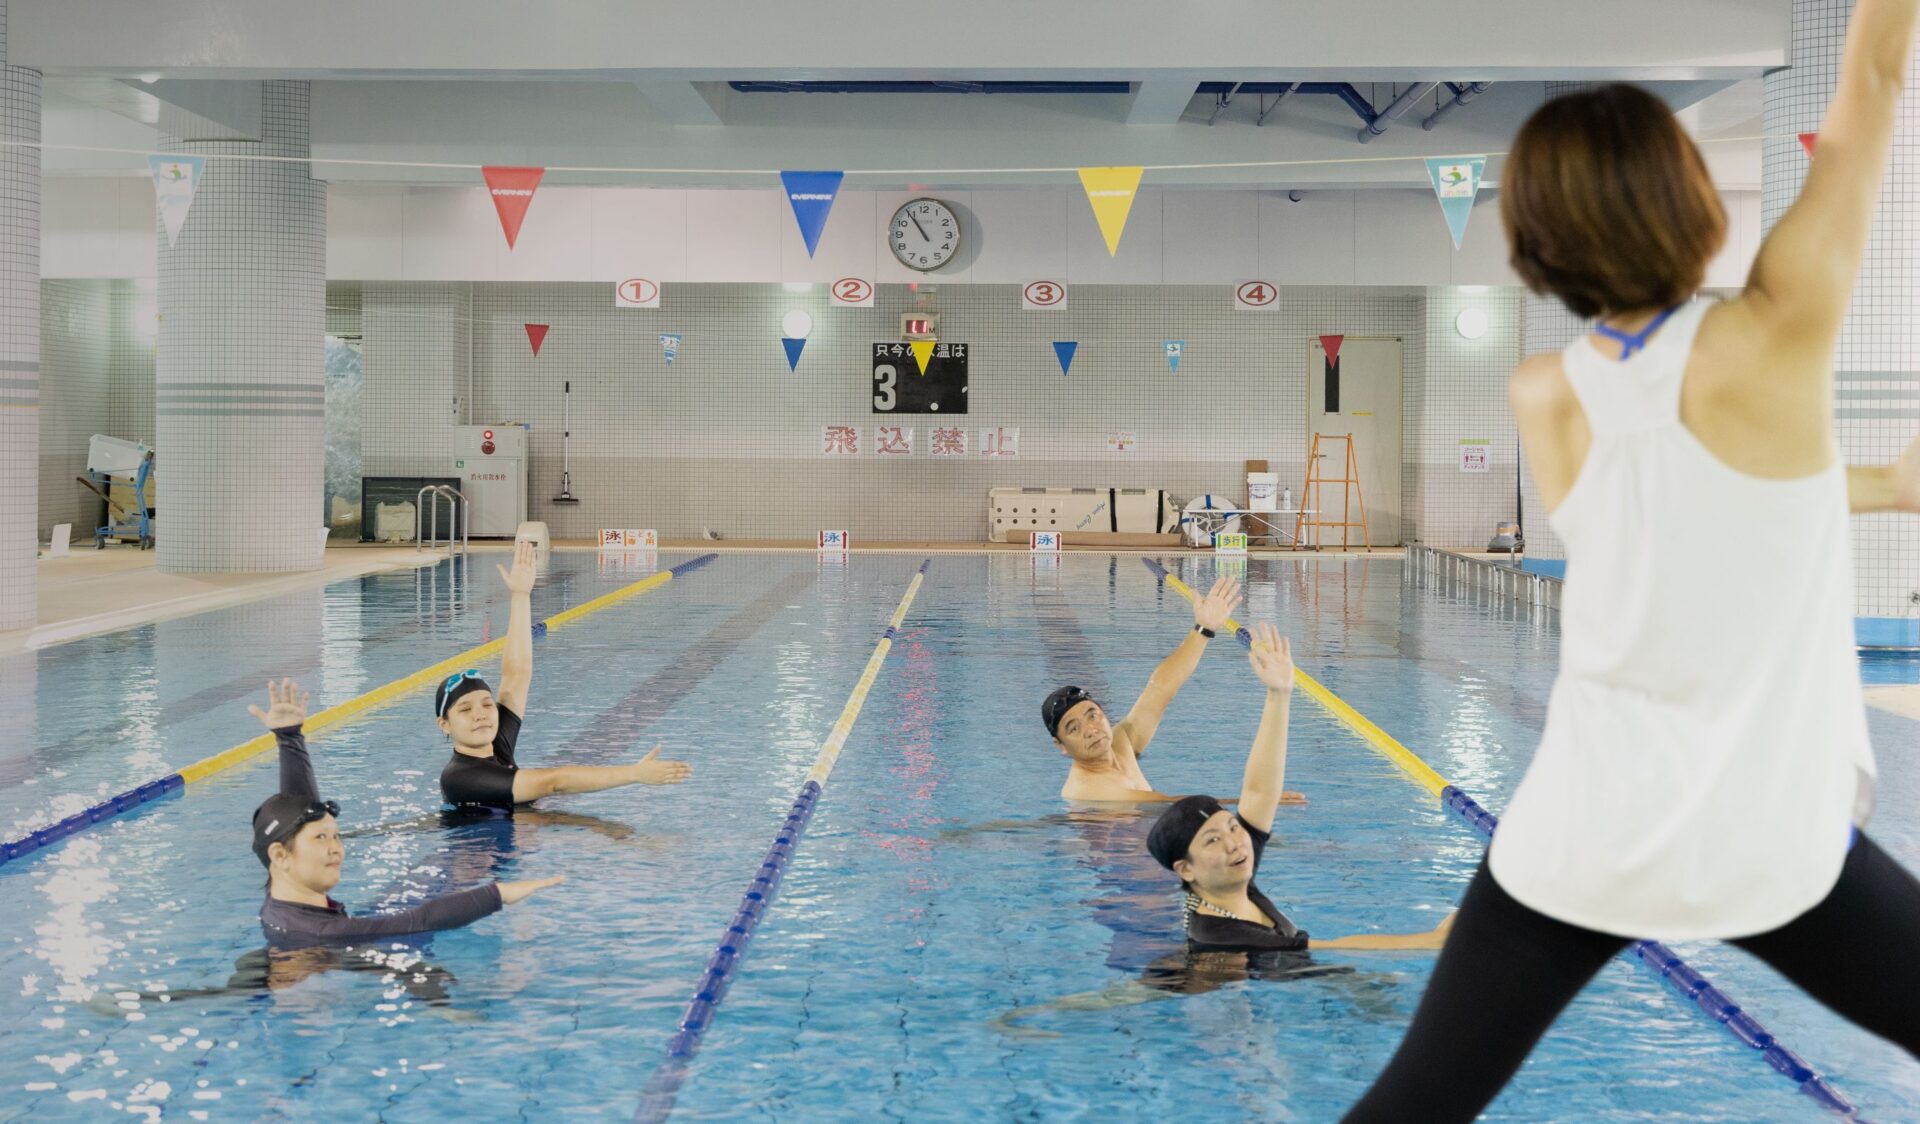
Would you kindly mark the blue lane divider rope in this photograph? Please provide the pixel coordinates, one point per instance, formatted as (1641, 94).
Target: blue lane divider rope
(657, 1098)
(1686, 980)
(1658, 958)
(113, 806)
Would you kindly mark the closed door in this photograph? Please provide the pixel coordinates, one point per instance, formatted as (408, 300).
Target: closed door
(1358, 393)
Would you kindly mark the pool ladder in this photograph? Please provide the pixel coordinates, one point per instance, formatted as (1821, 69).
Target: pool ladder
(426, 533)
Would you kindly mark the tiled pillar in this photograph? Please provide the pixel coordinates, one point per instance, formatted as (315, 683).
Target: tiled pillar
(19, 339)
(1877, 362)
(239, 392)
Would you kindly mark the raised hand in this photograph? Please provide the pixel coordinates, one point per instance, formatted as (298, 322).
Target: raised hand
(1212, 611)
(650, 771)
(520, 578)
(511, 892)
(287, 705)
(1271, 655)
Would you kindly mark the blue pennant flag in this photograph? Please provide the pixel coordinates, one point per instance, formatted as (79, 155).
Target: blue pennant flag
(794, 347)
(1175, 349)
(1065, 349)
(812, 195)
(1456, 180)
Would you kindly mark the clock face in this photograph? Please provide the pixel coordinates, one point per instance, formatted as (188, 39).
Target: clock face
(924, 234)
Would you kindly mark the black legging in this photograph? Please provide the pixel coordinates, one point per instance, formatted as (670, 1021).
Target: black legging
(1507, 972)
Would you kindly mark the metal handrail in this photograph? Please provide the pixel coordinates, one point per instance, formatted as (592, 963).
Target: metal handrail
(461, 508)
(1511, 582)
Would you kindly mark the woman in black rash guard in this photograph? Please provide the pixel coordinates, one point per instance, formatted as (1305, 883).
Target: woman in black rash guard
(1233, 931)
(298, 841)
(483, 726)
(1217, 852)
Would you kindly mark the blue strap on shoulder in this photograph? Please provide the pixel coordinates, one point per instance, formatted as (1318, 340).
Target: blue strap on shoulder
(1631, 342)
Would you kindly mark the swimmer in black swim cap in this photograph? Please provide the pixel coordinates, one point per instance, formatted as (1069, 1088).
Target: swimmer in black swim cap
(483, 726)
(297, 839)
(1104, 759)
(1216, 852)
(1232, 930)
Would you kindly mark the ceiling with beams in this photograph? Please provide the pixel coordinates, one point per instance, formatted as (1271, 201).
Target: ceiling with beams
(1232, 93)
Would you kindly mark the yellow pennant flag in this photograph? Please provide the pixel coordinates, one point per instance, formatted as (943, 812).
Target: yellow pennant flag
(922, 351)
(1111, 192)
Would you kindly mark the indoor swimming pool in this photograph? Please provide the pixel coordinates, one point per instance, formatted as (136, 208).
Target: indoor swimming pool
(941, 904)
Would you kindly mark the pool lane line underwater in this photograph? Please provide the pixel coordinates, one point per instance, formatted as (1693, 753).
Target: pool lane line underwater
(1656, 957)
(36, 841)
(657, 1098)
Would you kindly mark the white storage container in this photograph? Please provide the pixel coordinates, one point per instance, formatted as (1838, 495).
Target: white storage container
(394, 522)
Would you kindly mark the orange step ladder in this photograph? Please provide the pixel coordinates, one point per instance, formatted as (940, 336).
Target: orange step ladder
(1350, 493)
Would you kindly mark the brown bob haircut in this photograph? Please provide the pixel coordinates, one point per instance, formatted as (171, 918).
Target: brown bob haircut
(1607, 203)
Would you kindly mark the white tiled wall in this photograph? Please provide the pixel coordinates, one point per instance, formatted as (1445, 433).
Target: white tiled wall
(75, 319)
(1463, 396)
(727, 438)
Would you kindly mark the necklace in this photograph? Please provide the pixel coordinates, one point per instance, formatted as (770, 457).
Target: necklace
(1196, 902)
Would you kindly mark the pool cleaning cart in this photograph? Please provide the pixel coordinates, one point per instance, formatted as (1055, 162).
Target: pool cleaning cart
(121, 473)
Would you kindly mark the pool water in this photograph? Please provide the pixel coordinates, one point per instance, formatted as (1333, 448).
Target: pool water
(941, 905)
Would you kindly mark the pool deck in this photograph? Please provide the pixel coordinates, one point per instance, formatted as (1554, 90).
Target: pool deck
(89, 592)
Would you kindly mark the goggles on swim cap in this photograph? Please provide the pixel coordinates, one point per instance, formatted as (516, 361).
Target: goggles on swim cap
(1057, 704)
(1173, 832)
(281, 817)
(458, 684)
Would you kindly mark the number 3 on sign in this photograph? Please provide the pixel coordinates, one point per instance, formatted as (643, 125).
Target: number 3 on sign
(1039, 296)
(1256, 296)
(884, 397)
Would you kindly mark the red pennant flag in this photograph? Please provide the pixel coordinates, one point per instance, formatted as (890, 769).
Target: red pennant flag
(535, 334)
(1806, 142)
(512, 190)
(1332, 346)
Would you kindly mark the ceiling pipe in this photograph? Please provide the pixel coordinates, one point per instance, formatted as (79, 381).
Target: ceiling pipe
(1220, 103)
(1460, 97)
(1399, 106)
(1262, 119)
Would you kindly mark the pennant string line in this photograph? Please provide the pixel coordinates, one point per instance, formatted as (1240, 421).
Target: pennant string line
(775, 172)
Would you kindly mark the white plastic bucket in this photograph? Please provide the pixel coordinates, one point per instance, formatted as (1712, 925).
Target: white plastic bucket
(535, 532)
(1263, 491)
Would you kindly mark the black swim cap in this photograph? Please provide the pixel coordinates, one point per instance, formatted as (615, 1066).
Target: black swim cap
(1173, 832)
(1057, 705)
(453, 687)
(280, 817)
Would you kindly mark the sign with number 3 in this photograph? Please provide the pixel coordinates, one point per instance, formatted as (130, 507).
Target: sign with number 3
(1040, 296)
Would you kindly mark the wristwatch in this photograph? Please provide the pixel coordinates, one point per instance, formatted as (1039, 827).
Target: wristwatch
(1206, 632)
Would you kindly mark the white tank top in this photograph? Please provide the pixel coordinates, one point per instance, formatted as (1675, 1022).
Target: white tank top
(1706, 750)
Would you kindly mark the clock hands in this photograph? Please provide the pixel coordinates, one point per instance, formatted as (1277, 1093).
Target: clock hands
(918, 227)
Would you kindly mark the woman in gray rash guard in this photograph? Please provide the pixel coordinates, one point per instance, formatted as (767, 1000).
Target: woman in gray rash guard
(297, 840)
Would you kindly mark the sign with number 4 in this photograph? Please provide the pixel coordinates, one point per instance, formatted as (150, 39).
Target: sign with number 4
(1256, 296)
